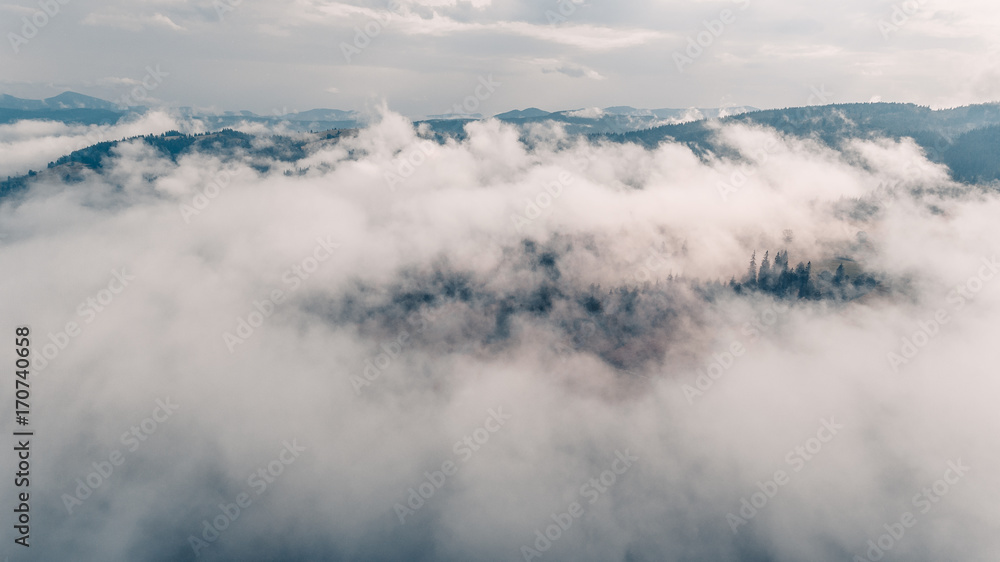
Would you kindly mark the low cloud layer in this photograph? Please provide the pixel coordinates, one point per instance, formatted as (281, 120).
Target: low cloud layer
(391, 348)
(31, 145)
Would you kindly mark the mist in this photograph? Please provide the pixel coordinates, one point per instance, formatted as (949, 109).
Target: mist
(401, 347)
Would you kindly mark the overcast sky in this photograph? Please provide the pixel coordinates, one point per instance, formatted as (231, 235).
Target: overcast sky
(279, 56)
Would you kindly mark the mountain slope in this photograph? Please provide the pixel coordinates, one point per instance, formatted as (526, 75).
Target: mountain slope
(65, 100)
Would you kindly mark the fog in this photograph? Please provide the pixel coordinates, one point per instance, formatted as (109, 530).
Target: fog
(31, 145)
(567, 299)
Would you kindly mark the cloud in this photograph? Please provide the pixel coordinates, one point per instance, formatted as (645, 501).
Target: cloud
(31, 145)
(451, 3)
(570, 69)
(582, 36)
(938, 57)
(131, 22)
(589, 113)
(400, 264)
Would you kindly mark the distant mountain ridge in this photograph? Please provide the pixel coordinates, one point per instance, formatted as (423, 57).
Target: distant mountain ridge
(530, 113)
(965, 139)
(616, 119)
(73, 107)
(65, 100)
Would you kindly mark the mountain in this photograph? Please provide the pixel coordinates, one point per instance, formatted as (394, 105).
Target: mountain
(628, 110)
(67, 107)
(455, 116)
(72, 107)
(966, 139)
(834, 123)
(76, 116)
(65, 100)
(616, 119)
(225, 144)
(10, 102)
(530, 113)
(702, 112)
(323, 115)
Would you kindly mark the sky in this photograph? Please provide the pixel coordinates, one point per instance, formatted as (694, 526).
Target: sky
(425, 56)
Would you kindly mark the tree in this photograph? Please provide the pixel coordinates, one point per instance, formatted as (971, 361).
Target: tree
(839, 278)
(751, 278)
(764, 277)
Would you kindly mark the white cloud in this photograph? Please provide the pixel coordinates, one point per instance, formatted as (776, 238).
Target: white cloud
(448, 228)
(131, 22)
(589, 113)
(31, 145)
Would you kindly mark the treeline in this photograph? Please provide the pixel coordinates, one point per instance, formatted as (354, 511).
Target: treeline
(171, 144)
(777, 278)
(225, 144)
(975, 156)
(966, 139)
(627, 325)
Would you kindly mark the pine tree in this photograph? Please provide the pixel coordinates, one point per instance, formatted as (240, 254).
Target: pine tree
(764, 277)
(751, 278)
(839, 278)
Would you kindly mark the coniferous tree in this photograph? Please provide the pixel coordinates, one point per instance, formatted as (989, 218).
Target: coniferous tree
(751, 278)
(839, 277)
(764, 276)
